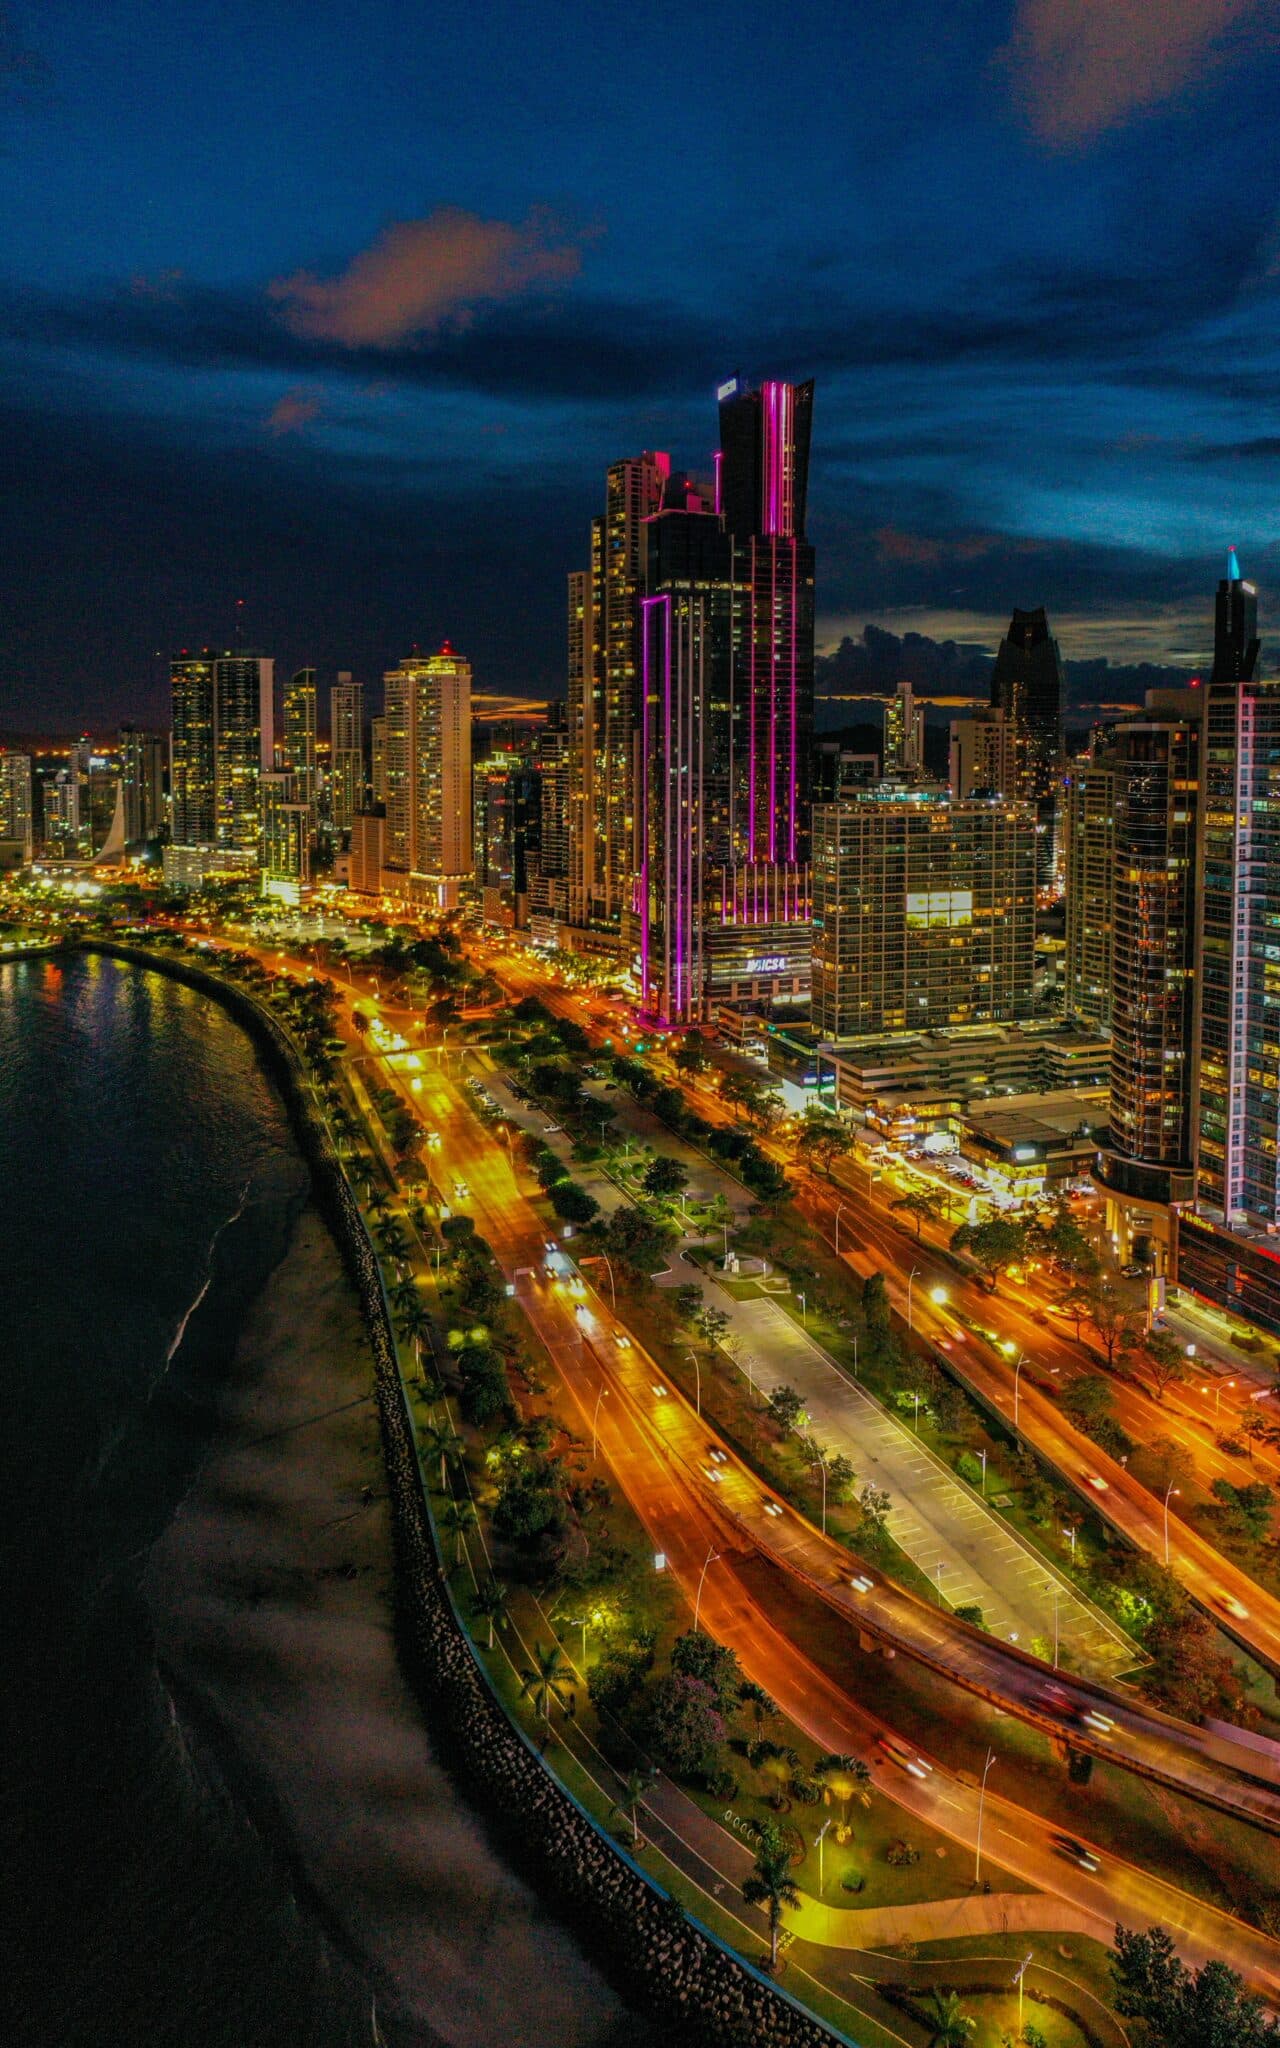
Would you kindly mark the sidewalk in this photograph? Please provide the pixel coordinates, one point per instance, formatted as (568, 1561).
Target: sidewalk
(1211, 1330)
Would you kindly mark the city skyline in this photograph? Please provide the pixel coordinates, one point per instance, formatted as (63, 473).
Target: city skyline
(356, 400)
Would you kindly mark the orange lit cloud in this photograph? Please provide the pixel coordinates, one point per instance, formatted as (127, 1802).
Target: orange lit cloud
(420, 274)
(293, 412)
(1080, 67)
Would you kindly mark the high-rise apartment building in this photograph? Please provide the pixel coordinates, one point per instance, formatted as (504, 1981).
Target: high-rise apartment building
(378, 758)
(298, 744)
(286, 835)
(142, 760)
(427, 755)
(604, 688)
(192, 768)
(982, 756)
(17, 808)
(1090, 848)
(903, 735)
(582, 710)
(346, 751)
(923, 912)
(243, 748)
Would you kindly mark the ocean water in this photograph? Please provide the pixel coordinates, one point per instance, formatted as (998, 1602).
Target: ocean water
(149, 1183)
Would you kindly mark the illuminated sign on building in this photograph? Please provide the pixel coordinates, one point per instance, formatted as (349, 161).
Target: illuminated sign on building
(770, 963)
(724, 391)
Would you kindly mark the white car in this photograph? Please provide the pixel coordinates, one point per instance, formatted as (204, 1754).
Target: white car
(622, 1340)
(772, 1507)
(861, 1583)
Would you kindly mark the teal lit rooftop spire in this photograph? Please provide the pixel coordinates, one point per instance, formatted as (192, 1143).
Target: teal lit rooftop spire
(1233, 566)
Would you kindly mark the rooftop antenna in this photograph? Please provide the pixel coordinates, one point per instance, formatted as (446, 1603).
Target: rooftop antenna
(239, 622)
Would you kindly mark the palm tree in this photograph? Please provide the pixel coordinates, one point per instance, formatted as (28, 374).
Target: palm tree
(951, 2024)
(780, 1766)
(635, 1786)
(377, 1199)
(771, 1884)
(548, 1683)
(413, 1323)
(843, 1776)
(440, 1443)
(490, 1604)
(458, 1517)
(757, 1701)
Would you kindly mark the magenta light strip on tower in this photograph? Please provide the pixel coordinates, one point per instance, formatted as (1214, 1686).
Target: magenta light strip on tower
(646, 605)
(795, 761)
(718, 464)
(751, 712)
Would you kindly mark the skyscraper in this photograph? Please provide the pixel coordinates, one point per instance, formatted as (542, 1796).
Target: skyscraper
(1090, 835)
(720, 906)
(604, 689)
(142, 772)
(428, 775)
(346, 757)
(286, 835)
(378, 758)
(17, 812)
(923, 912)
(903, 734)
(192, 761)
(243, 746)
(298, 749)
(1027, 685)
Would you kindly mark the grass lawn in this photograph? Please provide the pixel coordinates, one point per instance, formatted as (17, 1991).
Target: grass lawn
(1084, 1964)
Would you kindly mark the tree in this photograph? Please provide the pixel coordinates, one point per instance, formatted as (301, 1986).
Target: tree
(572, 1203)
(634, 1788)
(840, 1476)
(949, 2024)
(787, 1409)
(1181, 2008)
(876, 1508)
(547, 1684)
(843, 1777)
(458, 1517)
(690, 1056)
(697, 1655)
(741, 1092)
(440, 1443)
(711, 1324)
(1062, 1240)
(1110, 1319)
(875, 1306)
(823, 1139)
(635, 1240)
(1088, 1401)
(771, 1885)
(994, 1245)
(413, 1323)
(758, 1704)
(683, 1725)
(490, 1604)
(922, 1205)
(665, 1177)
(1246, 1510)
(687, 1301)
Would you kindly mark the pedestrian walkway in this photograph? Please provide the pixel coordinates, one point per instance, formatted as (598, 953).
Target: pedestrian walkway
(943, 1526)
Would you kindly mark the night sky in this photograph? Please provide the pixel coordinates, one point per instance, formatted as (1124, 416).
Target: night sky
(341, 309)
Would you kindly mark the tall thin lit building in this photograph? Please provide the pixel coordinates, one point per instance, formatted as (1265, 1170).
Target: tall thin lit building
(981, 758)
(378, 758)
(142, 774)
(192, 767)
(286, 835)
(583, 713)
(1027, 685)
(903, 734)
(428, 775)
(244, 746)
(17, 812)
(1090, 832)
(298, 747)
(346, 750)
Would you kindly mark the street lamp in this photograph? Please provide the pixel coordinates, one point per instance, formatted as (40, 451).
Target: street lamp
(982, 1800)
(1022, 1971)
(911, 1281)
(840, 1208)
(595, 1419)
(1071, 1534)
(804, 1309)
(602, 1258)
(938, 1296)
(983, 1456)
(1171, 1488)
(1017, 1375)
(822, 1835)
(712, 1557)
(916, 1422)
(691, 1353)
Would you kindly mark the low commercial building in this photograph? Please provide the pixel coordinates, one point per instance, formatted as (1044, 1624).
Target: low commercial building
(1029, 1146)
(901, 1085)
